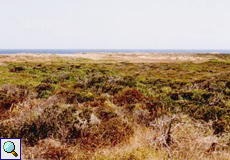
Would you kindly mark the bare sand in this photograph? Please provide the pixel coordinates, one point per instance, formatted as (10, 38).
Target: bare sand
(108, 57)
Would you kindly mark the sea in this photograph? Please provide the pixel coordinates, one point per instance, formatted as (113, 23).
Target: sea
(77, 51)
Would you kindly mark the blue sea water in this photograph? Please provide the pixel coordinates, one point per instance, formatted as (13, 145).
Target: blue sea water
(72, 51)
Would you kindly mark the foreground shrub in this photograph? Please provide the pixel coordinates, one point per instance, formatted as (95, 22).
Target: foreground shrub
(73, 125)
(47, 149)
(108, 133)
(11, 95)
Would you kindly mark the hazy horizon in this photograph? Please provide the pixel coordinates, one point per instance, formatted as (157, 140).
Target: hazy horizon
(115, 24)
(74, 51)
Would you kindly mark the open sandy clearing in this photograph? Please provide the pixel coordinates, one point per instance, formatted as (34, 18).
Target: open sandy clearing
(103, 57)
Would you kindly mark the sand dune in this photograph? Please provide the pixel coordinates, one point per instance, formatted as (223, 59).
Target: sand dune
(120, 57)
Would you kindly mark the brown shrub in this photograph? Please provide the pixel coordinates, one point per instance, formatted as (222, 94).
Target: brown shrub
(108, 133)
(129, 96)
(47, 149)
(17, 69)
(11, 95)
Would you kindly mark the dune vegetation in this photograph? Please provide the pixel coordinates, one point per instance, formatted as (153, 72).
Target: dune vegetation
(85, 109)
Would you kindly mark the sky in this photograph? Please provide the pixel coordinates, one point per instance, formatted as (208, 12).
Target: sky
(114, 24)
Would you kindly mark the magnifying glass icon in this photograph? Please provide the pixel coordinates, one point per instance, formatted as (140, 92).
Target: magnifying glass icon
(9, 147)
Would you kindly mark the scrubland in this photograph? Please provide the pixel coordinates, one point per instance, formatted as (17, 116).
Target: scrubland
(78, 108)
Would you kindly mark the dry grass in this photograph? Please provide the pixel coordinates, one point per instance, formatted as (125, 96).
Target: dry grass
(190, 139)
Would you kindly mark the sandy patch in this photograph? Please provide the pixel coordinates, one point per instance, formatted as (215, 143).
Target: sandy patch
(142, 57)
(103, 57)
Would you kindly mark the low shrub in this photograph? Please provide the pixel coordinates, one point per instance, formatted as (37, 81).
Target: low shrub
(17, 69)
(11, 95)
(71, 124)
(129, 96)
(44, 90)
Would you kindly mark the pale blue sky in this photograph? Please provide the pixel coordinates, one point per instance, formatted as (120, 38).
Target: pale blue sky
(115, 24)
